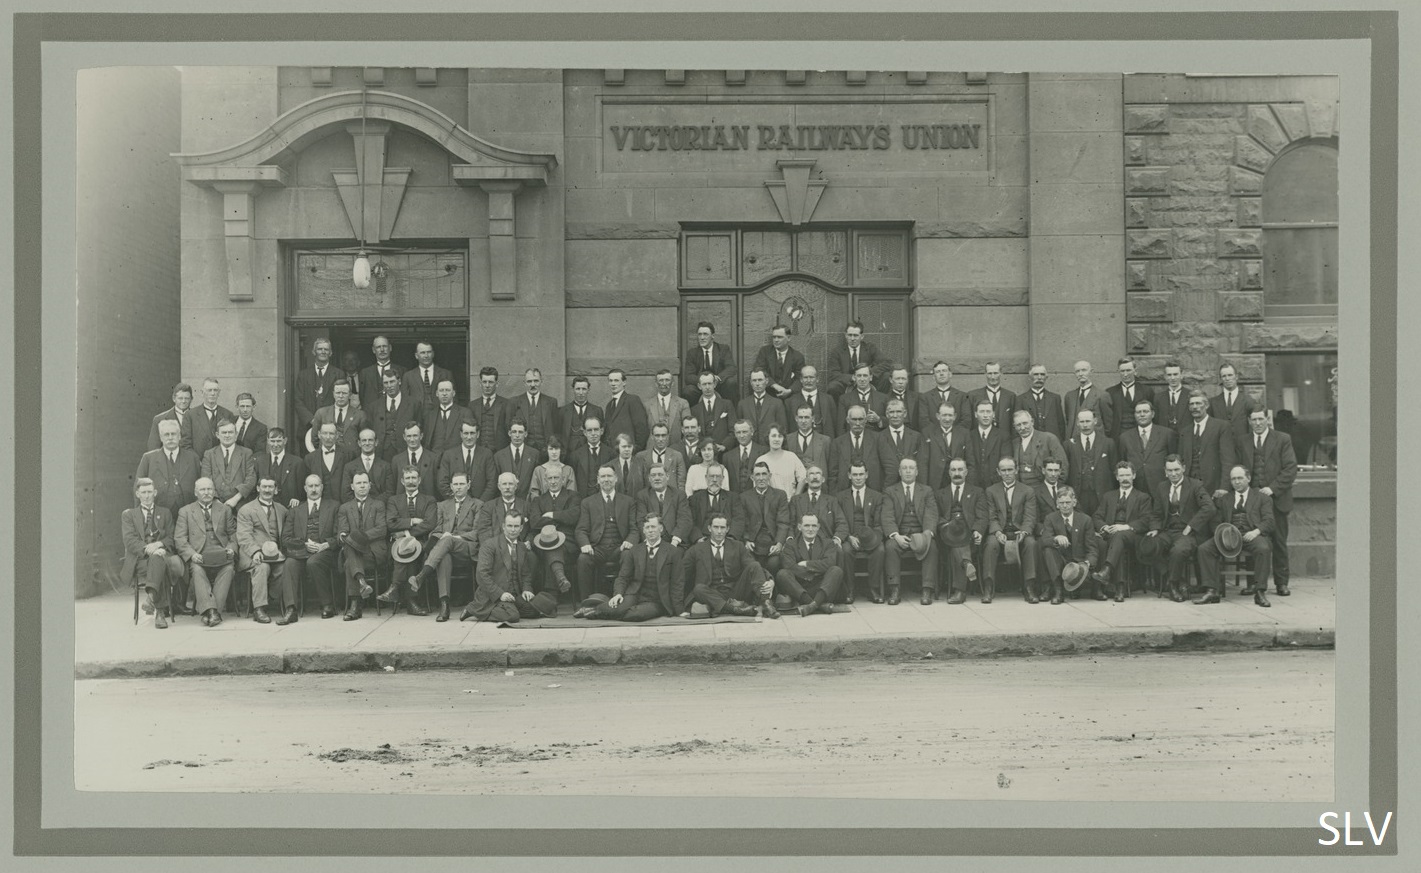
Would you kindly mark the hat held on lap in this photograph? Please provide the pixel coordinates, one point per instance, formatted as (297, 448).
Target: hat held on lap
(1228, 540)
(405, 549)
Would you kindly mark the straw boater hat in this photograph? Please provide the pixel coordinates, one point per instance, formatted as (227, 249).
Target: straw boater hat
(271, 554)
(405, 549)
(549, 538)
(1228, 540)
(955, 532)
(1073, 575)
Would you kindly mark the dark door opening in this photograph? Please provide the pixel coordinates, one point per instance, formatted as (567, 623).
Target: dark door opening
(451, 346)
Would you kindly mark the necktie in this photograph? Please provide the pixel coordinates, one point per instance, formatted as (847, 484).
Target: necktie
(813, 498)
(898, 439)
(993, 396)
(651, 553)
(446, 415)
(488, 405)
(1088, 442)
(611, 407)
(718, 555)
(1052, 489)
(148, 524)
(803, 443)
(1238, 500)
(172, 458)
(468, 459)
(1082, 403)
(708, 360)
(660, 457)
(517, 457)
(1123, 495)
(909, 491)
(665, 405)
(458, 507)
(858, 500)
(241, 432)
(858, 444)
(854, 358)
(428, 380)
(368, 460)
(228, 458)
(1173, 398)
(1199, 429)
(759, 403)
(269, 523)
(389, 403)
(1258, 442)
(320, 374)
(1174, 494)
(626, 474)
(273, 462)
(340, 418)
(1144, 437)
(782, 359)
(315, 509)
(745, 456)
(411, 504)
(360, 510)
(957, 494)
(412, 460)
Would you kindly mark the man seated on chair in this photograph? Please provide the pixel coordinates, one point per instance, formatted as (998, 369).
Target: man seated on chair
(605, 529)
(1122, 516)
(909, 521)
(259, 525)
(648, 585)
(812, 575)
(310, 538)
(721, 574)
(863, 510)
(150, 560)
(453, 535)
(1067, 537)
(362, 527)
(205, 535)
(506, 569)
(1250, 511)
(1183, 510)
(764, 512)
(415, 513)
(1011, 512)
(962, 499)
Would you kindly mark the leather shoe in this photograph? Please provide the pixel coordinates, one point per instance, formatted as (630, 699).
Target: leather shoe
(288, 617)
(1283, 590)
(391, 594)
(365, 589)
(465, 615)
(807, 609)
(849, 599)
(827, 608)
(216, 618)
(353, 613)
(988, 590)
(443, 610)
(1209, 596)
(148, 608)
(893, 598)
(874, 598)
(1119, 595)
(970, 571)
(259, 615)
(927, 598)
(328, 612)
(159, 621)
(1030, 596)
(207, 619)
(744, 609)
(1261, 598)
(1056, 598)
(1102, 576)
(186, 610)
(414, 608)
(1099, 595)
(768, 610)
(958, 597)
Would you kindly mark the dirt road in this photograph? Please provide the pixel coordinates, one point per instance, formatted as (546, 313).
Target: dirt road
(1241, 727)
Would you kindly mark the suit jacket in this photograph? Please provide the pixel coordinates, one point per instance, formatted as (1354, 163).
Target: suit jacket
(527, 462)
(895, 505)
(833, 521)
(1046, 503)
(571, 424)
(482, 473)
(561, 511)
(493, 421)
(726, 504)
(816, 454)
(441, 435)
(877, 402)
(426, 508)
(973, 506)
(1257, 506)
(498, 573)
(254, 437)
(1174, 416)
(1123, 409)
(1085, 545)
(722, 364)
(766, 517)
(488, 522)
(913, 405)
(665, 569)
(1148, 460)
(1021, 514)
(460, 522)
(1139, 510)
(676, 409)
(770, 410)
(592, 520)
(697, 565)
(313, 392)
(184, 429)
(413, 384)
(1196, 508)
(372, 383)
(626, 415)
(293, 535)
(1236, 416)
(819, 558)
(1210, 457)
(872, 519)
(542, 419)
(1275, 468)
(389, 426)
(1096, 400)
(739, 472)
(1043, 447)
(585, 464)
(190, 532)
(634, 479)
(176, 483)
(841, 368)
(930, 400)
(715, 422)
(1048, 412)
(983, 455)
(363, 531)
(346, 434)
(135, 538)
(939, 454)
(253, 529)
(671, 460)
(1005, 405)
(674, 510)
(1093, 473)
(842, 457)
(382, 481)
(785, 375)
(204, 433)
(892, 455)
(428, 466)
(238, 477)
(827, 418)
(289, 473)
(330, 477)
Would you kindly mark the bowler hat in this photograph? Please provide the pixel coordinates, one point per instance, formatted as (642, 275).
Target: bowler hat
(1149, 549)
(215, 556)
(271, 554)
(405, 549)
(955, 532)
(783, 602)
(1012, 551)
(1073, 575)
(549, 538)
(1228, 540)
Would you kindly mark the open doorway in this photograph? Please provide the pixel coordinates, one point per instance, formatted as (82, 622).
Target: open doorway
(450, 341)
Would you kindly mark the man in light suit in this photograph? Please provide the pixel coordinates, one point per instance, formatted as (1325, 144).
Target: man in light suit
(443, 420)
(1251, 511)
(347, 419)
(207, 525)
(537, 410)
(493, 414)
(781, 362)
(150, 558)
(759, 407)
(1124, 396)
(229, 466)
(422, 380)
(811, 446)
(518, 458)
(251, 432)
(314, 383)
(625, 413)
(473, 460)
(173, 469)
(863, 511)
(207, 416)
(258, 523)
(452, 537)
(942, 392)
(182, 399)
(648, 583)
(1147, 444)
(1183, 510)
(1087, 396)
(960, 497)
(605, 529)
(846, 357)
(1172, 401)
(661, 454)
(1045, 406)
(897, 442)
(1011, 512)
(1268, 456)
(415, 456)
(310, 543)
(1232, 405)
(709, 356)
(910, 509)
(713, 413)
(381, 472)
(944, 440)
(389, 414)
(1123, 516)
(857, 444)
(823, 408)
(362, 528)
(1206, 446)
(1090, 457)
(665, 407)
(1003, 400)
(1032, 448)
(372, 378)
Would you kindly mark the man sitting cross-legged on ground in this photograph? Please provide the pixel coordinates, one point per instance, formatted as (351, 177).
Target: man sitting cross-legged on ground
(812, 575)
(454, 535)
(720, 573)
(649, 583)
(507, 567)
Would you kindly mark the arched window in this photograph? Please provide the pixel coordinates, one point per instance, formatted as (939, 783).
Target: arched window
(1300, 232)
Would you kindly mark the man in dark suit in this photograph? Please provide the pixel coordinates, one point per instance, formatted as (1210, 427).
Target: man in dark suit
(719, 572)
(667, 502)
(781, 362)
(1183, 510)
(1067, 536)
(1045, 406)
(631, 472)
(588, 455)
(572, 417)
(713, 413)
(444, 420)
(1011, 511)
(1206, 445)
(207, 417)
(309, 541)
(507, 569)
(898, 389)
(740, 458)
(150, 558)
(765, 512)
(229, 466)
(286, 470)
(1272, 466)
(661, 454)
(856, 444)
(416, 456)
(1251, 511)
(362, 526)
(473, 460)
(1047, 491)
(328, 461)
(537, 409)
(648, 583)
(709, 356)
(493, 413)
(380, 471)
(811, 446)
(1233, 405)
(943, 440)
(313, 385)
(833, 521)
(173, 469)
(944, 392)
(489, 520)
(1123, 516)
(897, 442)
(414, 512)
(986, 445)
(207, 525)
(372, 378)
(182, 399)
(560, 508)
(624, 412)
(1147, 444)
(1087, 396)
(1123, 397)
(959, 497)
(666, 407)
(605, 529)
(347, 419)
(711, 500)
(813, 573)
(350, 363)
(760, 408)
(518, 458)
(422, 380)
(250, 432)
(388, 415)
(822, 407)
(863, 512)
(1172, 401)
(846, 357)
(862, 393)
(1003, 400)
(1090, 457)
(910, 518)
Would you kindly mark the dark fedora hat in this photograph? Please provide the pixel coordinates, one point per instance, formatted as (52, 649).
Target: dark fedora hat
(215, 556)
(1149, 549)
(1228, 540)
(1073, 575)
(955, 532)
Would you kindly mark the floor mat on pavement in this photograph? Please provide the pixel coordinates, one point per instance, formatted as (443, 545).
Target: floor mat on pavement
(602, 622)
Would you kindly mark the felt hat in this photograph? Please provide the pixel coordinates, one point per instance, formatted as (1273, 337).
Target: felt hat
(1228, 540)
(271, 554)
(1150, 550)
(215, 556)
(405, 548)
(1073, 575)
(955, 532)
(596, 600)
(920, 542)
(549, 538)
(1012, 551)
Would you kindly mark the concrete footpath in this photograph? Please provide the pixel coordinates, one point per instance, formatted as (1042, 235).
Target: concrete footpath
(108, 644)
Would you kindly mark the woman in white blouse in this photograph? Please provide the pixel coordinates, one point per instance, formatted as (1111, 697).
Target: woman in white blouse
(553, 468)
(696, 473)
(786, 469)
